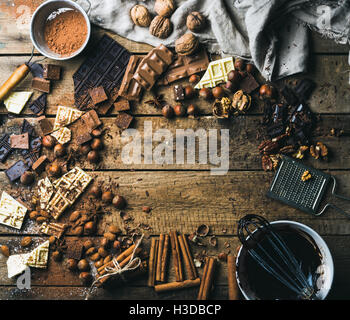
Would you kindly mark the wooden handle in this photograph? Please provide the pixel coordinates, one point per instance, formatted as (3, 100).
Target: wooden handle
(17, 76)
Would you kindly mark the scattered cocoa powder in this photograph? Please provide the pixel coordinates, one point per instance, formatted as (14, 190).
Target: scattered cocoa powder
(66, 32)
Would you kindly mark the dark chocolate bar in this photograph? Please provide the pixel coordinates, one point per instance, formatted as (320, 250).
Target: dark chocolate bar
(38, 106)
(185, 66)
(179, 93)
(36, 70)
(304, 89)
(248, 84)
(289, 96)
(104, 66)
(75, 250)
(153, 66)
(5, 148)
(16, 170)
(97, 95)
(27, 127)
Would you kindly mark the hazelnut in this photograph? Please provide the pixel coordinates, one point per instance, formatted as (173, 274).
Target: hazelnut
(116, 245)
(93, 156)
(102, 252)
(89, 227)
(250, 68)
(59, 150)
(164, 7)
(52, 240)
(189, 92)
(218, 92)
(72, 264)
(27, 178)
(205, 93)
(194, 78)
(168, 111)
(96, 144)
(107, 197)
(110, 236)
(179, 110)
(84, 149)
(119, 202)
(140, 16)
(54, 170)
(222, 256)
(239, 64)
(191, 110)
(26, 242)
(114, 229)
(49, 142)
(234, 76)
(266, 91)
(195, 21)
(34, 214)
(160, 27)
(83, 265)
(57, 256)
(187, 44)
(96, 191)
(5, 250)
(86, 277)
(96, 133)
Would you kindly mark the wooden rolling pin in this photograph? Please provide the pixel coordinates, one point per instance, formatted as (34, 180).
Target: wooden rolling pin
(17, 76)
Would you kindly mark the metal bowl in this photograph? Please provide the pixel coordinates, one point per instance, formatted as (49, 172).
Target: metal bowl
(37, 26)
(326, 268)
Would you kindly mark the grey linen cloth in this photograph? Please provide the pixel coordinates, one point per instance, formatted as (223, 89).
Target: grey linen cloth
(271, 33)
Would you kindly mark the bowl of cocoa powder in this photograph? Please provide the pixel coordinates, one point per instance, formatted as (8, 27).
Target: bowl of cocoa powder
(60, 29)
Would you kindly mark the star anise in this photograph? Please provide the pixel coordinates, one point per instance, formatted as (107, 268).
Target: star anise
(157, 101)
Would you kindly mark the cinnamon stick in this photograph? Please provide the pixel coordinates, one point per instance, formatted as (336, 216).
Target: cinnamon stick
(176, 256)
(164, 258)
(186, 258)
(231, 278)
(205, 270)
(159, 257)
(152, 262)
(207, 279)
(188, 251)
(177, 285)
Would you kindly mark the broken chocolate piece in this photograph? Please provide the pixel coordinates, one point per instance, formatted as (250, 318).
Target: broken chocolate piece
(36, 70)
(20, 141)
(304, 89)
(38, 106)
(5, 148)
(45, 125)
(289, 96)
(41, 84)
(27, 127)
(124, 120)
(39, 165)
(248, 84)
(75, 250)
(122, 105)
(179, 93)
(16, 170)
(83, 138)
(51, 72)
(97, 95)
(91, 120)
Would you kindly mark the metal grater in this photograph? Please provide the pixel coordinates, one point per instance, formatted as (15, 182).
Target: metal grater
(288, 187)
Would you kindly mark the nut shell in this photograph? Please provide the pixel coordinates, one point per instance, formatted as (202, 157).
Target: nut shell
(195, 21)
(187, 44)
(164, 7)
(160, 27)
(140, 16)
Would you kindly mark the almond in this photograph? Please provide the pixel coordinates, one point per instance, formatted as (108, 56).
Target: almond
(26, 242)
(109, 236)
(5, 250)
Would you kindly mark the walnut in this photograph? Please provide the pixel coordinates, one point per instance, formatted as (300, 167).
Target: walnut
(187, 44)
(222, 108)
(160, 27)
(266, 163)
(306, 176)
(301, 152)
(320, 150)
(195, 21)
(140, 16)
(241, 101)
(164, 7)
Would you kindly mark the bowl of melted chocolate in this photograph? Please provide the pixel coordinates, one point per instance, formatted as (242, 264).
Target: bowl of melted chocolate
(310, 251)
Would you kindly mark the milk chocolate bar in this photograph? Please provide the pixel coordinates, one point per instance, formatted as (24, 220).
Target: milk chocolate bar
(38, 106)
(185, 66)
(122, 105)
(20, 141)
(16, 170)
(27, 127)
(83, 138)
(91, 120)
(5, 148)
(45, 125)
(41, 84)
(39, 165)
(124, 120)
(51, 72)
(97, 95)
(104, 66)
(153, 66)
(130, 89)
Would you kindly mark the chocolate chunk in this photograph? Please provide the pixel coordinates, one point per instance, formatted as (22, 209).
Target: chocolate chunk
(27, 127)
(104, 66)
(33, 154)
(16, 170)
(75, 250)
(91, 120)
(39, 165)
(51, 72)
(36, 70)
(304, 89)
(45, 125)
(153, 66)
(122, 105)
(124, 120)
(289, 96)
(276, 130)
(130, 88)
(248, 84)
(185, 66)
(38, 106)
(179, 93)
(83, 138)
(98, 95)
(19, 141)
(5, 148)
(41, 84)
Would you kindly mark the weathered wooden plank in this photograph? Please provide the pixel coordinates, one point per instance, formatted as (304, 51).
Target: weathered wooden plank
(185, 200)
(243, 151)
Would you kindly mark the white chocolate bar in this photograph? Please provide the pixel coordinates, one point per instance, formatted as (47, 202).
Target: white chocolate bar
(65, 116)
(12, 212)
(46, 191)
(16, 101)
(62, 135)
(39, 256)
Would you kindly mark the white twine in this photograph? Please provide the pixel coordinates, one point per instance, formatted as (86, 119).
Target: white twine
(116, 269)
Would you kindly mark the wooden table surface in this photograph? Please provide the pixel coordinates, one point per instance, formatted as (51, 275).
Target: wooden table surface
(185, 196)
